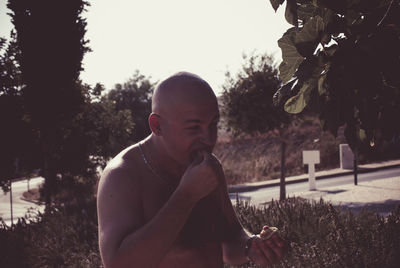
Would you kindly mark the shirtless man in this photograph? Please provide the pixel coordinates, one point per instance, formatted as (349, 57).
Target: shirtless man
(163, 202)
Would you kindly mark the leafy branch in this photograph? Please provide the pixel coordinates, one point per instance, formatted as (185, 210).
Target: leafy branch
(342, 60)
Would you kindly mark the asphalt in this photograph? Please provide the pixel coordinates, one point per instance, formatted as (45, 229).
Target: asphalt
(382, 195)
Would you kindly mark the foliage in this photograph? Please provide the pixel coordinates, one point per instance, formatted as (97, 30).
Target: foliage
(61, 237)
(51, 44)
(247, 98)
(104, 129)
(342, 58)
(50, 57)
(135, 96)
(95, 135)
(248, 107)
(16, 138)
(320, 235)
(254, 158)
(10, 73)
(70, 125)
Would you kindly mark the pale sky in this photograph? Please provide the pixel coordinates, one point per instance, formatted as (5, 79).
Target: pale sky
(162, 37)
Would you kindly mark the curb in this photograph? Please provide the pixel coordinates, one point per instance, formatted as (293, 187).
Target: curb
(32, 201)
(301, 178)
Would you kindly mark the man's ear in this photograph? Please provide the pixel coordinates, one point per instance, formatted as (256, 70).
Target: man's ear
(155, 124)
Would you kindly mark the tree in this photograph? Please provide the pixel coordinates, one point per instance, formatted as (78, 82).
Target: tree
(342, 58)
(134, 95)
(247, 103)
(107, 130)
(17, 142)
(50, 38)
(96, 134)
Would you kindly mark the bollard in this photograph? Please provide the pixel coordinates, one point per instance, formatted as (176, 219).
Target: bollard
(311, 158)
(346, 157)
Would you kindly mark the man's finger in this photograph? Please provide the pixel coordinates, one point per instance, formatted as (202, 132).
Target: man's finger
(260, 259)
(278, 240)
(275, 247)
(268, 252)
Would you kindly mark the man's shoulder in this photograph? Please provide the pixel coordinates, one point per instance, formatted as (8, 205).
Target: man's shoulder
(126, 166)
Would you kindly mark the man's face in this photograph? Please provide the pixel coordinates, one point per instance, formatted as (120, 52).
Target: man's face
(190, 127)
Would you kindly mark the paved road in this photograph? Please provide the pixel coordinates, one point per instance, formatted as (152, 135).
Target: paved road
(261, 196)
(20, 207)
(257, 197)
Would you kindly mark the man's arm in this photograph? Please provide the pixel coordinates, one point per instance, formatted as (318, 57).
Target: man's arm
(125, 240)
(233, 247)
(262, 252)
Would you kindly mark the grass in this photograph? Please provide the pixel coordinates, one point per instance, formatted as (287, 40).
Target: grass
(258, 157)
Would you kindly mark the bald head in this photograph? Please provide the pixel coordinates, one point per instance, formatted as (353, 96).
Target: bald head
(180, 89)
(184, 118)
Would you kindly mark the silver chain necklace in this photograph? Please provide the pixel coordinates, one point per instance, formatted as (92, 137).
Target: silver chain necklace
(152, 169)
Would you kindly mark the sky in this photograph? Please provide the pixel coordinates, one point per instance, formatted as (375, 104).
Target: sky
(161, 37)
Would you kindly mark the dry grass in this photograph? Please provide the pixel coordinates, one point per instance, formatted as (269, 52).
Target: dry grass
(258, 157)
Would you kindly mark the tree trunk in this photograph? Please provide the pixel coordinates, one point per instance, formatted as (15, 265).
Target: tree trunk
(356, 165)
(282, 183)
(49, 168)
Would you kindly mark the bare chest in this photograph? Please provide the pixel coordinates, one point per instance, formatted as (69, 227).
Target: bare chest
(204, 226)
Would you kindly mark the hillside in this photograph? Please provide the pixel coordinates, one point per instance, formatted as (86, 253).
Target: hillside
(257, 158)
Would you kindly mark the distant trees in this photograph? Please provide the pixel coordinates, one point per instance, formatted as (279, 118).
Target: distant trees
(135, 96)
(343, 59)
(247, 102)
(247, 97)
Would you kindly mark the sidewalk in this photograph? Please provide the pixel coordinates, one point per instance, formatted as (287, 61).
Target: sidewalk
(382, 195)
(319, 175)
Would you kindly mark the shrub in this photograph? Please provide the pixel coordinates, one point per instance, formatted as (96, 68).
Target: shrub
(320, 235)
(60, 237)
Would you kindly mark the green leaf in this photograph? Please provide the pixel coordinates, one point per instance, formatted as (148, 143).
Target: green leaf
(276, 3)
(322, 85)
(310, 35)
(330, 51)
(283, 93)
(291, 12)
(306, 12)
(338, 6)
(290, 56)
(296, 104)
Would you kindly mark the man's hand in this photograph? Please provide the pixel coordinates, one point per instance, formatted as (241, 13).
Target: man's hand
(265, 252)
(202, 176)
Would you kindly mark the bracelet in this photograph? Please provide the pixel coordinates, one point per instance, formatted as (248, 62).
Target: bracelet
(247, 247)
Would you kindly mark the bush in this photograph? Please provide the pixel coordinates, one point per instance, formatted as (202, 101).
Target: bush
(320, 235)
(60, 237)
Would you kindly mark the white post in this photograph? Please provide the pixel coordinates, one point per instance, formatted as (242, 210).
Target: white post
(311, 158)
(311, 177)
